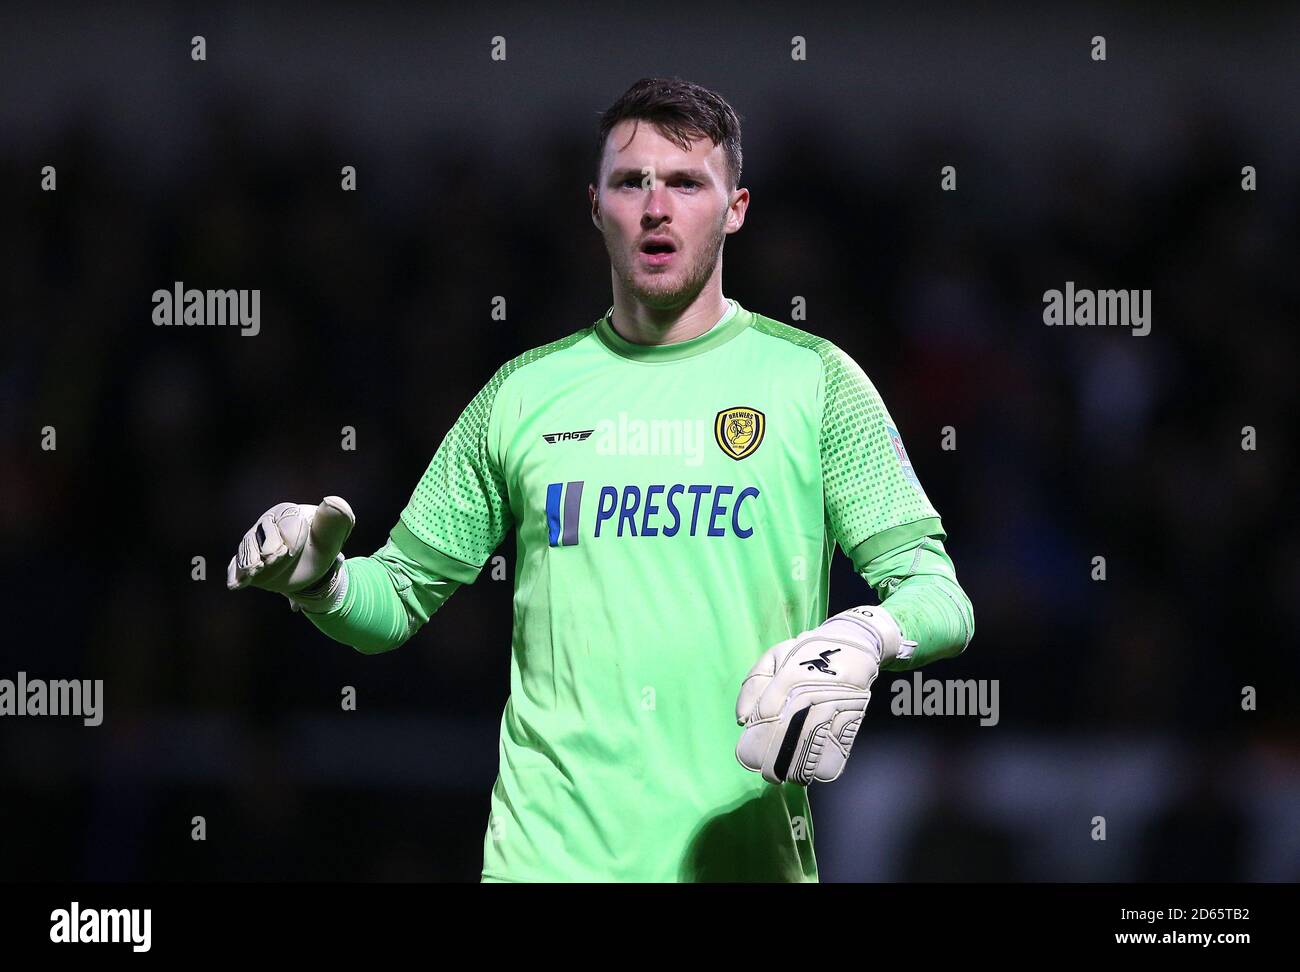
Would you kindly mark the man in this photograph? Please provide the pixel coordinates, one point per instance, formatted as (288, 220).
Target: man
(678, 475)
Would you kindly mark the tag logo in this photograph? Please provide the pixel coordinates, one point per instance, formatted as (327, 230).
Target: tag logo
(739, 431)
(554, 437)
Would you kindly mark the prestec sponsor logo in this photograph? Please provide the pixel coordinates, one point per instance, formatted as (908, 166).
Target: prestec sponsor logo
(656, 510)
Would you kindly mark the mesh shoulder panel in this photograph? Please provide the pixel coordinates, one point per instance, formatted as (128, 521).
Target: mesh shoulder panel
(868, 481)
(460, 506)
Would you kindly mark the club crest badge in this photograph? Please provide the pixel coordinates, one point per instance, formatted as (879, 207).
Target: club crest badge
(739, 431)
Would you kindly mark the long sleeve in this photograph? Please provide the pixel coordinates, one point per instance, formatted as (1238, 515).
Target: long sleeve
(917, 584)
(457, 515)
(883, 520)
(389, 597)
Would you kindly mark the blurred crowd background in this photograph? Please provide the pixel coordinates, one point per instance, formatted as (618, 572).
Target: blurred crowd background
(1119, 698)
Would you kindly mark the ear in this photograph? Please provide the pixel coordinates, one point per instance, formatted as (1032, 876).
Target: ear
(736, 211)
(594, 197)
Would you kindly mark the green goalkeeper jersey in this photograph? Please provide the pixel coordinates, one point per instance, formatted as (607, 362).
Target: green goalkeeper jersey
(675, 510)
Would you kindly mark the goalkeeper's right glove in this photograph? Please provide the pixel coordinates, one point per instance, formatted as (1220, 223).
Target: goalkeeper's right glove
(294, 549)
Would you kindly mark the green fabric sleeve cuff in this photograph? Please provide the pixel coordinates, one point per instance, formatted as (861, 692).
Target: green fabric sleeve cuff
(871, 548)
(369, 618)
(430, 558)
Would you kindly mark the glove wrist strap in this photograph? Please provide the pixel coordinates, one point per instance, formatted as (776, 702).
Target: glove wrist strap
(325, 594)
(883, 625)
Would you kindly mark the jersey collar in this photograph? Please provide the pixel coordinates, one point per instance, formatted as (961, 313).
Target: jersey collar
(710, 339)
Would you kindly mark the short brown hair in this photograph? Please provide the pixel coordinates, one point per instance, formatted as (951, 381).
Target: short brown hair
(681, 112)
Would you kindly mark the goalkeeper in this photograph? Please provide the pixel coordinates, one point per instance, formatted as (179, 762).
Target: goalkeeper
(675, 684)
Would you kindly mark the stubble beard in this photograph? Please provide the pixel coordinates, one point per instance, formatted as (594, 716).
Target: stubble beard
(660, 290)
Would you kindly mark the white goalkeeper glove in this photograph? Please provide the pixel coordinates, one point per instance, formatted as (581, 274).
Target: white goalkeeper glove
(294, 549)
(802, 703)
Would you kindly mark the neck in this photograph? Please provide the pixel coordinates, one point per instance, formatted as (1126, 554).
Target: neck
(635, 322)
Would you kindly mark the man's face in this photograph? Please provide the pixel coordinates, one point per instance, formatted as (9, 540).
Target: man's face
(665, 241)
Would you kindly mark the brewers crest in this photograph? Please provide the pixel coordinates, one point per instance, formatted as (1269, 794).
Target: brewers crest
(739, 430)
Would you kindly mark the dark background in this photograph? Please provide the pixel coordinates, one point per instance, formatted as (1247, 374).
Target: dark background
(1119, 698)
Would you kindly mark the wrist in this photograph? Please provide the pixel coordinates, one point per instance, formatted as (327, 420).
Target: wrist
(326, 593)
(880, 629)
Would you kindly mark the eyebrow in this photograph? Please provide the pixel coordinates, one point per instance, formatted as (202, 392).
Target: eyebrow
(634, 172)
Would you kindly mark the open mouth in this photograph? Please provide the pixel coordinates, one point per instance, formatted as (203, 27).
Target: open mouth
(658, 251)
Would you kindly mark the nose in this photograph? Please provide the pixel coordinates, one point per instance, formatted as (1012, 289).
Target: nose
(656, 206)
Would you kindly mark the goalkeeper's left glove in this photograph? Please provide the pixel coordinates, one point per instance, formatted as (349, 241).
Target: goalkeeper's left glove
(802, 703)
